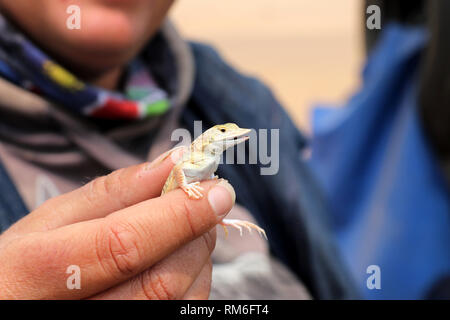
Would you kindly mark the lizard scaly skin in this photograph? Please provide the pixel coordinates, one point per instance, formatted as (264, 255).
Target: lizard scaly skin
(200, 162)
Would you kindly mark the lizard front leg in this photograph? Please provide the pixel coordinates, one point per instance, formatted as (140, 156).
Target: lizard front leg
(193, 190)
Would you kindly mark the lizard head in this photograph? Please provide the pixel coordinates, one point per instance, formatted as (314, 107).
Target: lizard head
(223, 136)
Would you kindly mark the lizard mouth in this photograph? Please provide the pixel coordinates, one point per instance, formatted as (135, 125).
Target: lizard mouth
(240, 139)
(237, 137)
(232, 141)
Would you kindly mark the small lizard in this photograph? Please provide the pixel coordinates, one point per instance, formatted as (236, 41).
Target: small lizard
(200, 162)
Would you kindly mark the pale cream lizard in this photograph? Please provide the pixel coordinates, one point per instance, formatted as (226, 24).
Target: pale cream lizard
(200, 162)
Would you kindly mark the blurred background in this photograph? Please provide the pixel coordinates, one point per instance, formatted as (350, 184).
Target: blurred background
(307, 51)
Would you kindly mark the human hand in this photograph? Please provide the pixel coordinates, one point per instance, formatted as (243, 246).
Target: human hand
(128, 242)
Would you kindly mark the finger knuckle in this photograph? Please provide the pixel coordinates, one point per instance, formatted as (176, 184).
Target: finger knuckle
(118, 250)
(112, 182)
(111, 186)
(188, 218)
(156, 286)
(210, 240)
(92, 190)
(181, 214)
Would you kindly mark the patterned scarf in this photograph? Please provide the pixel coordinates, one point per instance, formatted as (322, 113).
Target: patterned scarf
(24, 64)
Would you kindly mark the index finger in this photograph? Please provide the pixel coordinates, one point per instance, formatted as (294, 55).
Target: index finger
(102, 196)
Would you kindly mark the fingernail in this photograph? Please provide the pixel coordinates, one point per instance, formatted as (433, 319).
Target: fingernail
(221, 198)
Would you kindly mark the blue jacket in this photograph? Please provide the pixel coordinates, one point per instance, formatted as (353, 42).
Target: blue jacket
(388, 196)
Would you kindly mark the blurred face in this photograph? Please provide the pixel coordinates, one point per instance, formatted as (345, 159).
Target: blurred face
(112, 31)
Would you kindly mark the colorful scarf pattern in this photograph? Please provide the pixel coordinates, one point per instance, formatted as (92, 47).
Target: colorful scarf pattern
(24, 64)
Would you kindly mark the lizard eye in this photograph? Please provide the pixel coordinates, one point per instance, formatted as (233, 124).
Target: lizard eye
(223, 130)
